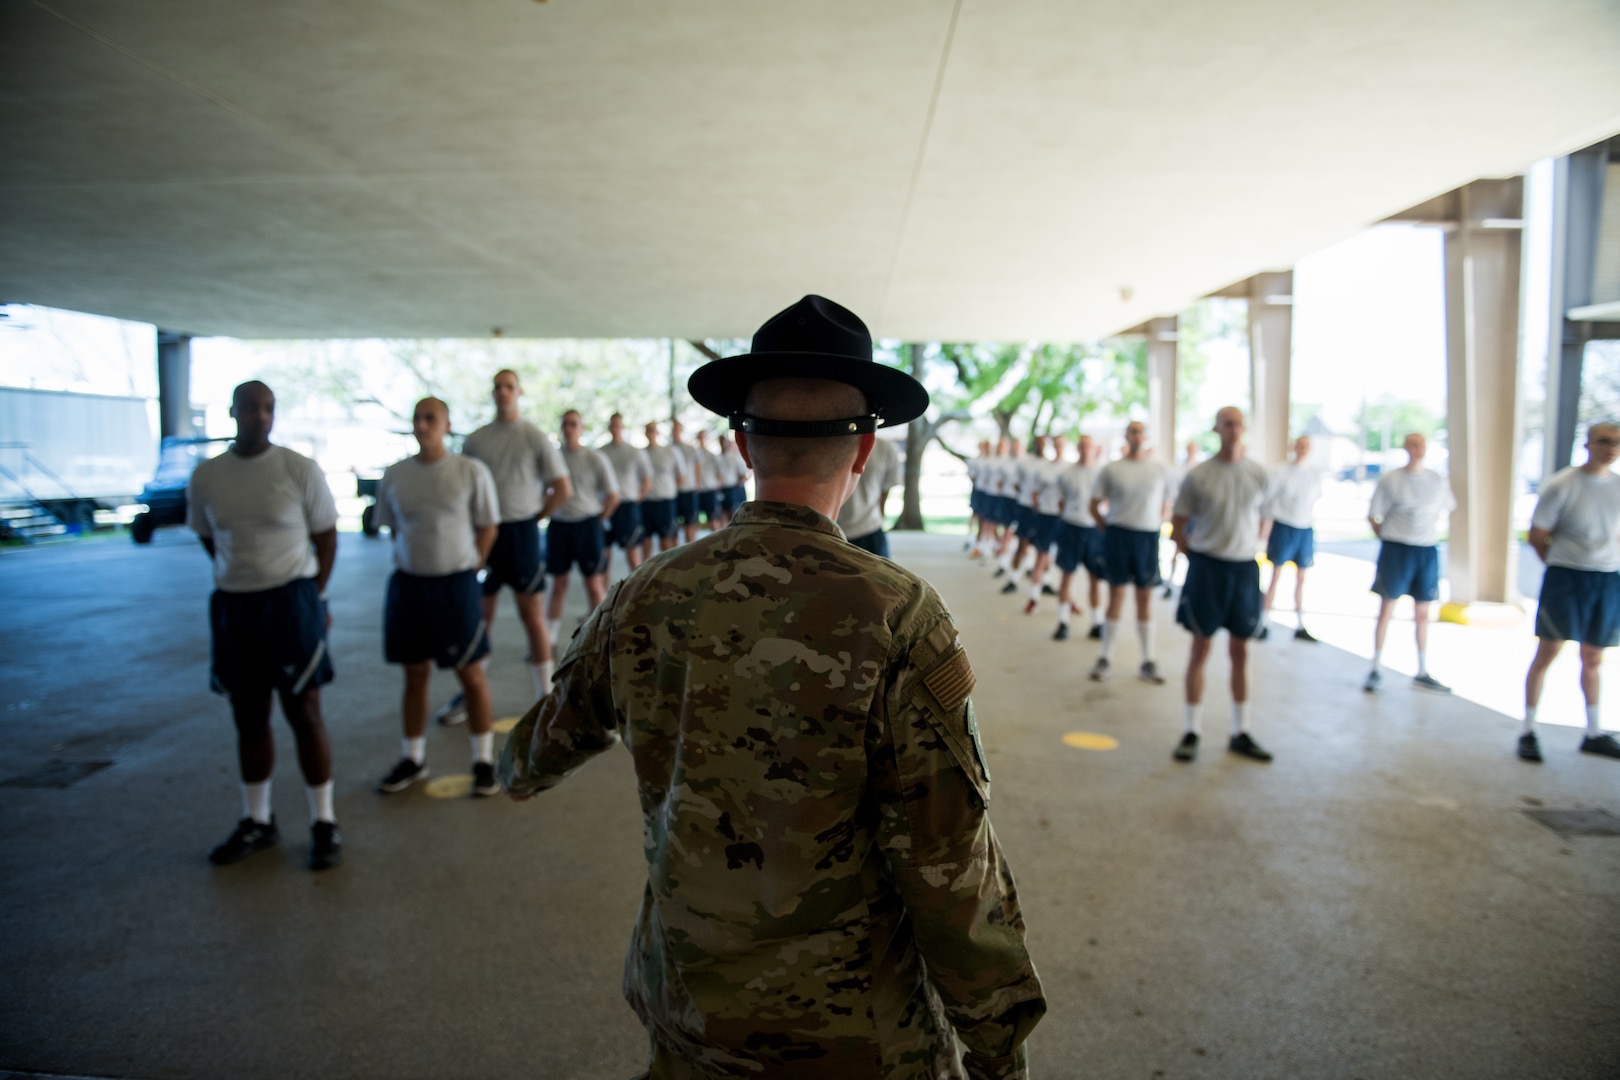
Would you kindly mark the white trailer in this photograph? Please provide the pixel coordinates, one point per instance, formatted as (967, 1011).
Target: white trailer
(72, 454)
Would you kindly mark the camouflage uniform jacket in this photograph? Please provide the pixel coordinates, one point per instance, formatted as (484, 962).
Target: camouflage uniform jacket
(825, 895)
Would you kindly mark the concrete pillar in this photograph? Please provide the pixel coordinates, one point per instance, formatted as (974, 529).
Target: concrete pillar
(1161, 357)
(1482, 384)
(174, 384)
(1578, 182)
(1271, 348)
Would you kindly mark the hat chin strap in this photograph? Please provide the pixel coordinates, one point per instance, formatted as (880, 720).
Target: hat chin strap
(803, 429)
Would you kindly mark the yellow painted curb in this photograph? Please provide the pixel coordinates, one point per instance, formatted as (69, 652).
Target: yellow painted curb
(1088, 740)
(504, 725)
(454, 786)
(1481, 614)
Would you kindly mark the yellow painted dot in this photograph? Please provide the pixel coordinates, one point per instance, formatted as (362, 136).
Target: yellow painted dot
(504, 724)
(1090, 740)
(454, 786)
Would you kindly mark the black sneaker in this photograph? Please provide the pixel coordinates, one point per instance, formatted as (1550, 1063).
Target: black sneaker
(1062, 633)
(1168, 592)
(1429, 682)
(1265, 632)
(1374, 681)
(1010, 587)
(1047, 590)
(1001, 571)
(1095, 633)
(485, 782)
(406, 773)
(1303, 634)
(1242, 744)
(325, 845)
(1149, 673)
(249, 837)
(1187, 749)
(1604, 745)
(1099, 670)
(1529, 747)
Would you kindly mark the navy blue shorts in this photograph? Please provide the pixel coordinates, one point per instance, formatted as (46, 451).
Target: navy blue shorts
(269, 640)
(875, 542)
(1131, 556)
(1220, 595)
(434, 618)
(576, 543)
(1025, 520)
(1291, 545)
(515, 560)
(976, 503)
(999, 509)
(1405, 570)
(626, 530)
(1043, 531)
(1077, 546)
(658, 518)
(733, 497)
(686, 507)
(708, 503)
(1579, 605)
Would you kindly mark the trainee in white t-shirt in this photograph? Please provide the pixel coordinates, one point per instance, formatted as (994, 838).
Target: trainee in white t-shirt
(1583, 514)
(435, 510)
(260, 512)
(1135, 492)
(1223, 501)
(1407, 505)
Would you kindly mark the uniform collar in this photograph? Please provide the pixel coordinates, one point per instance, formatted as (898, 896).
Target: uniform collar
(790, 514)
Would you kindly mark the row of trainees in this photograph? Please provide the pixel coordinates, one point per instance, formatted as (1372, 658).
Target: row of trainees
(1107, 519)
(464, 527)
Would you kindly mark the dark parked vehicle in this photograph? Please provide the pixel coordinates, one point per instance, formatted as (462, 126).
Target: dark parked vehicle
(165, 494)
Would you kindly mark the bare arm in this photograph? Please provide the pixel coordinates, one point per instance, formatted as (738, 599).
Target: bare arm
(1097, 510)
(1540, 539)
(325, 555)
(560, 491)
(1178, 531)
(646, 488)
(484, 540)
(1377, 527)
(883, 503)
(610, 503)
(1265, 529)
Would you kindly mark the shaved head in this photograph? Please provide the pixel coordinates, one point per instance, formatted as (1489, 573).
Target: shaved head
(819, 459)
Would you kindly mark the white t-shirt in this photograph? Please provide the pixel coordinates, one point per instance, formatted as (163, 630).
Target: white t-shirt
(1075, 485)
(1027, 475)
(1293, 495)
(1043, 481)
(1135, 492)
(630, 468)
(860, 515)
(260, 512)
(593, 480)
(1583, 514)
(999, 476)
(713, 471)
(435, 511)
(736, 469)
(1408, 504)
(665, 463)
(522, 460)
(1224, 501)
(686, 478)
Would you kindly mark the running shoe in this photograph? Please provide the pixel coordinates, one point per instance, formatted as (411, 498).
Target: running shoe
(1265, 632)
(485, 781)
(325, 845)
(406, 773)
(1010, 587)
(1604, 745)
(1001, 571)
(249, 836)
(1374, 680)
(1529, 747)
(1099, 670)
(1047, 590)
(1149, 673)
(1062, 632)
(1187, 748)
(454, 712)
(1095, 633)
(1429, 682)
(1168, 592)
(1030, 606)
(1242, 744)
(1303, 634)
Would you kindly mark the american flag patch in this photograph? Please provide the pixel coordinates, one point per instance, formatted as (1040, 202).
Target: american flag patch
(952, 681)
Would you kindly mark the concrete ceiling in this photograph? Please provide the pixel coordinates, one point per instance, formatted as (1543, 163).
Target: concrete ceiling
(951, 169)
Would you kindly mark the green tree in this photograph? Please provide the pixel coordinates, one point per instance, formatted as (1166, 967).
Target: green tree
(1386, 422)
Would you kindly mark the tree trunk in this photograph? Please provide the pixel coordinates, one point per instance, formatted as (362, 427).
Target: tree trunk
(918, 433)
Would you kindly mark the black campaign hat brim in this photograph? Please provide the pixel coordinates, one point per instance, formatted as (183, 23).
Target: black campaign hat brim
(721, 386)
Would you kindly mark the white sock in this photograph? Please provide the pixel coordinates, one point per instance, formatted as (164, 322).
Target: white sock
(553, 628)
(1378, 657)
(1096, 616)
(1240, 718)
(1035, 592)
(978, 547)
(483, 747)
(1195, 717)
(1594, 722)
(1144, 634)
(1423, 662)
(537, 678)
(416, 749)
(1529, 720)
(1005, 561)
(320, 802)
(1064, 612)
(1110, 635)
(256, 801)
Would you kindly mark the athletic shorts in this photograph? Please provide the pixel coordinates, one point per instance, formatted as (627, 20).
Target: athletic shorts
(1043, 531)
(976, 503)
(626, 530)
(686, 507)
(269, 640)
(576, 543)
(1080, 546)
(736, 495)
(1024, 520)
(434, 618)
(995, 508)
(1579, 605)
(709, 504)
(1131, 556)
(1220, 595)
(658, 518)
(1291, 545)
(1405, 570)
(875, 542)
(515, 560)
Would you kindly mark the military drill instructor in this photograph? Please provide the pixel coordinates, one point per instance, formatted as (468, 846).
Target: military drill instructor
(825, 895)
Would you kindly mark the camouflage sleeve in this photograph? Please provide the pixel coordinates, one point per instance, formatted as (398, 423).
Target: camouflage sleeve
(935, 831)
(571, 724)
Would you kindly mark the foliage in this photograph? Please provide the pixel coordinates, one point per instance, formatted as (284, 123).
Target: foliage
(1385, 423)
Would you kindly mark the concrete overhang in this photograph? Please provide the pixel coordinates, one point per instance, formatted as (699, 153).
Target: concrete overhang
(951, 169)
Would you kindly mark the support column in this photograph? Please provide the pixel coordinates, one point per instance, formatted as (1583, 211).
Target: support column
(1161, 357)
(1577, 210)
(1482, 384)
(174, 384)
(1271, 349)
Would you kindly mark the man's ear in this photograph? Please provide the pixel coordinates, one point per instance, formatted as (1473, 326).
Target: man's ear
(742, 448)
(867, 442)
